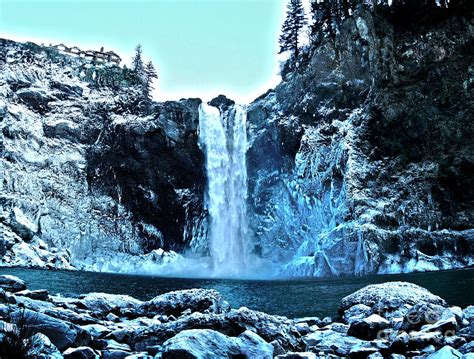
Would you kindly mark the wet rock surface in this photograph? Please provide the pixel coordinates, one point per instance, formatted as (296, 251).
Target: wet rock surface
(120, 326)
(91, 179)
(360, 159)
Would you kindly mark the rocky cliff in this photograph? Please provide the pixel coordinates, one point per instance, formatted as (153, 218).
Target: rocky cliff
(88, 178)
(360, 161)
(362, 158)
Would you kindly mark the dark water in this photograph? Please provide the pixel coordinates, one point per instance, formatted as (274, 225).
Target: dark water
(295, 298)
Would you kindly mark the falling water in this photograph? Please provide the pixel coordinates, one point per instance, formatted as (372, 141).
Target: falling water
(224, 140)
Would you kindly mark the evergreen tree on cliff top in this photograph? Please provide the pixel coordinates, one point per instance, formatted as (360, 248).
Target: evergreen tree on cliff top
(292, 28)
(150, 75)
(138, 66)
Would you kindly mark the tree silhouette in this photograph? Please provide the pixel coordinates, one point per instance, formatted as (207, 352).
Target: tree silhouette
(292, 28)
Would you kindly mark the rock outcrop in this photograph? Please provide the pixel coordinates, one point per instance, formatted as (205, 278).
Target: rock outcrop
(89, 178)
(361, 159)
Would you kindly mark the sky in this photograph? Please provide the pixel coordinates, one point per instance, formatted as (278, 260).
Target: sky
(201, 48)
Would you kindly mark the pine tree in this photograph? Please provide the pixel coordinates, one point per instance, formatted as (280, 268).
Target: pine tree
(150, 75)
(292, 28)
(137, 63)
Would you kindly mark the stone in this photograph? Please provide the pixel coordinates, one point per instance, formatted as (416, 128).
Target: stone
(112, 317)
(368, 328)
(420, 315)
(175, 303)
(302, 355)
(302, 328)
(468, 313)
(454, 341)
(35, 98)
(330, 341)
(62, 334)
(96, 330)
(388, 297)
(42, 348)
(201, 343)
(445, 352)
(419, 340)
(105, 303)
(114, 354)
(270, 328)
(80, 353)
(34, 294)
(356, 312)
(467, 348)
(11, 283)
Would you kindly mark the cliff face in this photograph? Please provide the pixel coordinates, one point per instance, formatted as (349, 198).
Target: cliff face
(87, 178)
(360, 161)
(368, 151)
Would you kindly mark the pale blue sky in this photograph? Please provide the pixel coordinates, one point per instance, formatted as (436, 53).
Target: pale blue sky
(201, 47)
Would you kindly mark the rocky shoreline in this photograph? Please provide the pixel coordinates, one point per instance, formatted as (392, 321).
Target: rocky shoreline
(393, 319)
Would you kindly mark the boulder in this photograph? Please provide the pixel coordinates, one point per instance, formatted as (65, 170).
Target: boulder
(468, 313)
(96, 330)
(356, 312)
(445, 352)
(42, 348)
(62, 128)
(206, 343)
(420, 340)
(390, 299)
(41, 294)
(368, 328)
(62, 334)
(80, 353)
(104, 303)
(467, 348)
(420, 315)
(292, 355)
(114, 354)
(67, 89)
(11, 283)
(329, 341)
(175, 303)
(35, 98)
(270, 328)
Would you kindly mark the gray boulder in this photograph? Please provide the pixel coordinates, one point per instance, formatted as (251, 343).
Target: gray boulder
(62, 334)
(445, 353)
(390, 299)
(42, 348)
(104, 303)
(368, 328)
(468, 313)
(329, 341)
(420, 315)
(11, 283)
(293, 355)
(356, 312)
(195, 300)
(35, 98)
(206, 343)
(80, 353)
(41, 294)
(270, 328)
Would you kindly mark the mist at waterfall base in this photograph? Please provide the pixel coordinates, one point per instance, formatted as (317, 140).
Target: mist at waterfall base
(228, 252)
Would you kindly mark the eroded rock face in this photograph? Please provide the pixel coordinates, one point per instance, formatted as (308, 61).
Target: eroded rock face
(360, 159)
(90, 179)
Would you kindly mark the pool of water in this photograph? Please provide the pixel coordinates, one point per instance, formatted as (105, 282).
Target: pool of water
(293, 298)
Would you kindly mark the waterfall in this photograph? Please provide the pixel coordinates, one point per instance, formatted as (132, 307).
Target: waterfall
(223, 137)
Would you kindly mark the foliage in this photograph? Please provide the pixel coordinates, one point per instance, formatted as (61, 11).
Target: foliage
(17, 340)
(293, 28)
